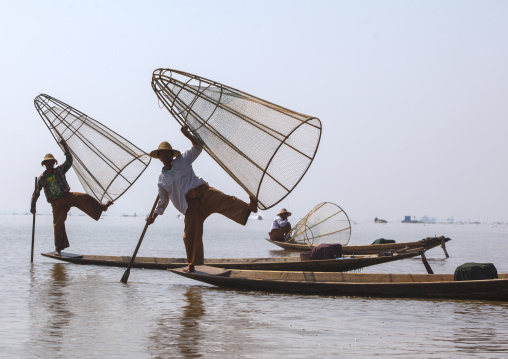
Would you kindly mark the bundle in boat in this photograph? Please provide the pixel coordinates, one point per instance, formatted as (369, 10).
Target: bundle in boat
(326, 223)
(106, 164)
(265, 148)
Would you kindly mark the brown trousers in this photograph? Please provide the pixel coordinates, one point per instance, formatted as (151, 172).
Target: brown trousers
(61, 207)
(278, 234)
(202, 202)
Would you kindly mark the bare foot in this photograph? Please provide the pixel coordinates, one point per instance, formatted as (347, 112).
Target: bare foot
(57, 253)
(106, 206)
(189, 269)
(253, 205)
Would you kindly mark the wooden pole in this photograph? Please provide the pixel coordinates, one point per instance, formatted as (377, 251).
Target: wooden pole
(425, 263)
(33, 227)
(443, 245)
(125, 276)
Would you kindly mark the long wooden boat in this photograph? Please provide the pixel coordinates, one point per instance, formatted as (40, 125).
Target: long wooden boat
(426, 243)
(354, 284)
(346, 263)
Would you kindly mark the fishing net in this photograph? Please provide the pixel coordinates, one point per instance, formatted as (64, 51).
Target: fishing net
(105, 162)
(265, 148)
(326, 223)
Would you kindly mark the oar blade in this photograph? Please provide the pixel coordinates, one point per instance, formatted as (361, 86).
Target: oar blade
(125, 276)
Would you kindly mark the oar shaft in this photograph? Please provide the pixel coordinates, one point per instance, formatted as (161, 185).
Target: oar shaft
(127, 271)
(33, 227)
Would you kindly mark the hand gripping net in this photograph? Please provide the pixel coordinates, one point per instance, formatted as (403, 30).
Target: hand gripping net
(326, 223)
(105, 162)
(265, 148)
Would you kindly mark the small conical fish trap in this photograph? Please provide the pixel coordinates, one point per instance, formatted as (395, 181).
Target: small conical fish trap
(265, 148)
(326, 223)
(105, 162)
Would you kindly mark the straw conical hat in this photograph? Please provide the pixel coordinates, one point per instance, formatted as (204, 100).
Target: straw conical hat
(48, 157)
(164, 146)
(283, 211)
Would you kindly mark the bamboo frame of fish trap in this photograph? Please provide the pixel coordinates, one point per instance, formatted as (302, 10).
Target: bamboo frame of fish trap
(106, 164)
(328, 220)
(265, 148)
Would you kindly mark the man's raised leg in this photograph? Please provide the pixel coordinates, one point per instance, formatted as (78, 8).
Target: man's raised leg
(87, 204)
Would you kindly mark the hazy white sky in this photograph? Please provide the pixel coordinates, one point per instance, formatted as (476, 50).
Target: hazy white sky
(412, 94)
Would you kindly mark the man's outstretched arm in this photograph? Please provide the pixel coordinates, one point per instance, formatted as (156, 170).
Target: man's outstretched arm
(186, 133)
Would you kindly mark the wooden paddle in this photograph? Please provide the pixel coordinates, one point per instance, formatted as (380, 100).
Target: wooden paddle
(125, 276)
(33, 227)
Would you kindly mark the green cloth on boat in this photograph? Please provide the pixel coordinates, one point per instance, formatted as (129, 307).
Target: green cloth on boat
(383, 241)
(475, 271)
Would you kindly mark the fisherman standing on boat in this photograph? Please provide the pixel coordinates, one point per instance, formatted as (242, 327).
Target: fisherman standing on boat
(280, 227)
(58, 194)
(192, 197)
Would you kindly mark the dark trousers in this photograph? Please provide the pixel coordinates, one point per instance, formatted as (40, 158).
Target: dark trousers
(278, 234)
(202, 202)
(62, 206)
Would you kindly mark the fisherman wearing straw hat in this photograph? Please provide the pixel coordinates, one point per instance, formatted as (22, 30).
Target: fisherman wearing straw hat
(280, 227)
(58, 194)
(192, 197)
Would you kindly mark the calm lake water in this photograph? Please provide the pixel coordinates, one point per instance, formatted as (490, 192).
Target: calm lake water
(60, 310)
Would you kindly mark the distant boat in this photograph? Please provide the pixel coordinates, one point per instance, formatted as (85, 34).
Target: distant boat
(379, 220)
(130, 215)
(426, 243)
(256, 216)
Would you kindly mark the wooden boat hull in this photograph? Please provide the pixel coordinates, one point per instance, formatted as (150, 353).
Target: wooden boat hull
(426, 243)
(354, 284)
(274, 264)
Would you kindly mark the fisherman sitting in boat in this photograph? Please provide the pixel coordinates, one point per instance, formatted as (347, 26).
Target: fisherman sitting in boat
(192, 197)
(280, 227)
(58, 194)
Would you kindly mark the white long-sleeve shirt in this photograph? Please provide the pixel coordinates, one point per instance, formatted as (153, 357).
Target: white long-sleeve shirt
(178, 181)
(278, 222)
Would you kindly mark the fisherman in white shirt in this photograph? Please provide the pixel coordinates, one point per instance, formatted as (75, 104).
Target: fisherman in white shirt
(192, 197)
(280, 227)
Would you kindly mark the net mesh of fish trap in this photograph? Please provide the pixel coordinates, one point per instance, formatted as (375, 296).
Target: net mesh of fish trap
(265, 148)
(326, 223)
(105, 162)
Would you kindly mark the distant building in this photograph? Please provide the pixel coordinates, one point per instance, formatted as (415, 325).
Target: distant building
(426, 219)
(407, 219)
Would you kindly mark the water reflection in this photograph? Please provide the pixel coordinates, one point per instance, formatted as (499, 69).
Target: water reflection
(182, 331)
(49, 313)
(189, 338)
(57, 302)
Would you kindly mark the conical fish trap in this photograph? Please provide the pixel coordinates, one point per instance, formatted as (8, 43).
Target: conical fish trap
(326, 223)
(265, 148)
(105, 162)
